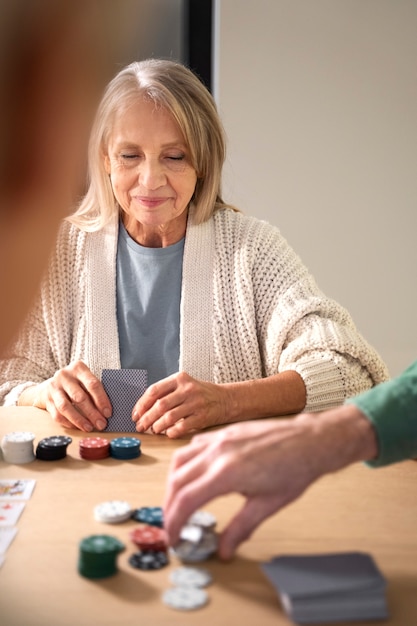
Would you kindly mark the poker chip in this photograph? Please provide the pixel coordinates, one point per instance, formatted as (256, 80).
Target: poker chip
(198, 539)
(149, 538)
(204, 519)
(53, 448)
(151, 515)
(94, 448)
(150, 560)
(185, 598)
(17, 447)
(125, 448)
(98, 556)
(191, 533)
(190, 577)
(112, 511)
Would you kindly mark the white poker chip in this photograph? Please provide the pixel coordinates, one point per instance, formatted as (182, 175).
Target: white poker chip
(190, 577)
(204, 519)
(189, 552)
(185, 598)
(17, 447)
(112, 512)
(191, 533)
(18, 437)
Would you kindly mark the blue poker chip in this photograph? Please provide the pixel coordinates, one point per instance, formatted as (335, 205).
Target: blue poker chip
(125, 448)
(152, 515)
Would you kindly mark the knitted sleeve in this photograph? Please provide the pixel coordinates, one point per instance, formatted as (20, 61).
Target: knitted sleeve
(44, 341)
(271, 317)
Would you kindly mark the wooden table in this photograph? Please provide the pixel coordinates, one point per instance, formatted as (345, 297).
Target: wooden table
(356, 509)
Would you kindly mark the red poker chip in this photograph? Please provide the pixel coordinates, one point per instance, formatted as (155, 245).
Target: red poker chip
(94, 442)
(149, 538)
(94, 448)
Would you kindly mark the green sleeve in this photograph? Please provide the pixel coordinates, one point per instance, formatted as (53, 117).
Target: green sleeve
(392, 408)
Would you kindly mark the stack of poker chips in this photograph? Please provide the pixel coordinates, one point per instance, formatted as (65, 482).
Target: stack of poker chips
(94, 448)
(17, 447)
(187, 592)
(53, 448)
(125, 448)
(98, 556)
(198, 538)
(152, 545)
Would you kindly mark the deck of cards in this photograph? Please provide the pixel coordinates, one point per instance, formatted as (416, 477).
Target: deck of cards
(339, 587)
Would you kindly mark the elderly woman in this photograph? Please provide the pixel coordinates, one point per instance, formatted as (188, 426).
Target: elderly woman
(155, 271)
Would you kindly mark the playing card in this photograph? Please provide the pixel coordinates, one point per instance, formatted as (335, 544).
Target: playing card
(320, 574)
(124, 388)
(16, 488)
(7, 534)
(10, 512)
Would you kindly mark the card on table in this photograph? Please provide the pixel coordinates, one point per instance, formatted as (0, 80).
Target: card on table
(10, 511)
(124, 388)
(7, 533)
(16, 488)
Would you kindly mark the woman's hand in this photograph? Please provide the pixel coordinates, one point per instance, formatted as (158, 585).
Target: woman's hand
(74, 397)
(179, 405)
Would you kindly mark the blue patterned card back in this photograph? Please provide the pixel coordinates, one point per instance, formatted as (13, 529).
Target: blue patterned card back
(124, 388)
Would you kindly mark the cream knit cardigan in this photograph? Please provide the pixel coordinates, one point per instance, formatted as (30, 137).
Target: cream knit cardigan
(249, 309)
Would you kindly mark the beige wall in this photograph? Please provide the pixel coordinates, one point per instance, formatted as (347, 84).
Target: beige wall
(319, 101)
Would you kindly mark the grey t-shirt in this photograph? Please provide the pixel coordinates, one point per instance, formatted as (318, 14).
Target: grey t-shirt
(148, 291)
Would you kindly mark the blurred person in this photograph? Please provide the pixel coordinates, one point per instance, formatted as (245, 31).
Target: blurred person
(55, 58)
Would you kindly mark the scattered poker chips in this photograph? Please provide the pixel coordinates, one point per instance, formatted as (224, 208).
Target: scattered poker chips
(151, 515)
(94, 448)
(112, 511)
(53, 448)
(198, 538)
(125, 448)
(17, 447)
(191, 577)
(149, 538)
(149, 560)
(98, 556)
(185, 598)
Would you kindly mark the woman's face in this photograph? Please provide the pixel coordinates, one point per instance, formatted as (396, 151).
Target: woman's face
(151, 174)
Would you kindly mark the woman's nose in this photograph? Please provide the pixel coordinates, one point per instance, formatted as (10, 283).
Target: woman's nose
(151, 174)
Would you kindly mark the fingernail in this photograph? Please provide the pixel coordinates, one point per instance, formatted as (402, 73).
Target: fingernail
(88, 427)
(107, 413)
(101, 424)
(139, 428)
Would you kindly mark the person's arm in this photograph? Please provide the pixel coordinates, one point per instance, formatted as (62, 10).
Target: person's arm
(392, 408)
(271, 463)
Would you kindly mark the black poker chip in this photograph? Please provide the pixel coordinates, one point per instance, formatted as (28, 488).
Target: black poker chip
(151, 560)
(53, 448)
